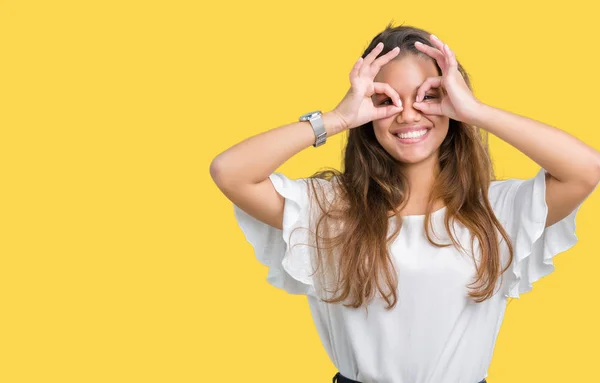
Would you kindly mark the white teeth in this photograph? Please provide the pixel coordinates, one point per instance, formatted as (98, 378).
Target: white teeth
(415, 134)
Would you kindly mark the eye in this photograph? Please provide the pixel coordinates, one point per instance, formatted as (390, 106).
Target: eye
(385, 101)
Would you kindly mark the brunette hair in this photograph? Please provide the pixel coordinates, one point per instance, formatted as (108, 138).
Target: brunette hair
(355, 202)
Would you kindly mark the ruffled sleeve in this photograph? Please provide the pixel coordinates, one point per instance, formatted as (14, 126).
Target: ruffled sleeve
(288, 258)
(520, 205)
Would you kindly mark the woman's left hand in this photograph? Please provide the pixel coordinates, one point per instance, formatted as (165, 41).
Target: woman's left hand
(458, 103)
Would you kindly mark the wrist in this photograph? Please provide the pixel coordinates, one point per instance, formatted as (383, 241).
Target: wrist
(477, 114)
(333, 122)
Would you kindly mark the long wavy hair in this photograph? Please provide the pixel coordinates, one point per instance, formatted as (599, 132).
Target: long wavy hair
(354, 220)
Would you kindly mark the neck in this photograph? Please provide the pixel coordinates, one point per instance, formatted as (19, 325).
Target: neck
(421, 177)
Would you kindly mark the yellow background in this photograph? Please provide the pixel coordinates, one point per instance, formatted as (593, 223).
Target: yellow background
(120, 259)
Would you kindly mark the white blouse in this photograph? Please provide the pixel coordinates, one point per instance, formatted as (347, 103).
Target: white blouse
(435, 333)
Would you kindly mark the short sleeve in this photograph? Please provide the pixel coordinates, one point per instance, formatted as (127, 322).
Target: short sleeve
(288, 258)
(520, 205)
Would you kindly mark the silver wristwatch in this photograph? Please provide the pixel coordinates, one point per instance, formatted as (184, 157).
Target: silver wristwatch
(318, 127)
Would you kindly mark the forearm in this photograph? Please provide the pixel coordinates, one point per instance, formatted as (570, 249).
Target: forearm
(564, 156)
(255, 158)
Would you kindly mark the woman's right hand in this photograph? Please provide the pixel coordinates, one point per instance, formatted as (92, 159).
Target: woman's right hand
(357, 108)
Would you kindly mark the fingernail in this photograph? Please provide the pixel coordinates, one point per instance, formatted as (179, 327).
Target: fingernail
(434, 36)
(418, 43)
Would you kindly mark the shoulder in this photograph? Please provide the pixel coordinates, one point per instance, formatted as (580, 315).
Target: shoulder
(501, 193)
(305, 192)
(501, 188)
(514, 198)
(327, 190)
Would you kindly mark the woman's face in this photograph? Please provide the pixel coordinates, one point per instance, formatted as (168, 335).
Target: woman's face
(405, 75)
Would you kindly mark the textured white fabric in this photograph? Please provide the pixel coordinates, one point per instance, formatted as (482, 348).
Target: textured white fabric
(435, 333)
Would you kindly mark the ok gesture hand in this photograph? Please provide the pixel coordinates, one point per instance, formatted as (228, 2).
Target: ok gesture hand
(458, 103)
(357, 108)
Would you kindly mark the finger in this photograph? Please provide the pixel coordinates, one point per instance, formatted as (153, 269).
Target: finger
(381, 61)
(387, 111)
(442, 47)
(431, 82)
(436, 42)
(369, 58)
(385, 88)
(452, 63)
(434, 53)
(429, 107)
(356, 68)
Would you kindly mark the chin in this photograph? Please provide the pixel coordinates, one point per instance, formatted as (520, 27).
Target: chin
(412, 158)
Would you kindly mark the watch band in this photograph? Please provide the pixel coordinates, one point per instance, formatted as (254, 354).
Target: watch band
(316, 121)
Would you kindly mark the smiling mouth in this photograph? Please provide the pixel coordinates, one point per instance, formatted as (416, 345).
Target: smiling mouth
(414, 138)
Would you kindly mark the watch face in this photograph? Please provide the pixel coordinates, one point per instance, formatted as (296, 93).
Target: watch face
(308, 116)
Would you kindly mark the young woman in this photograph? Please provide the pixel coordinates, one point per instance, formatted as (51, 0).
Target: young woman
(415, 230)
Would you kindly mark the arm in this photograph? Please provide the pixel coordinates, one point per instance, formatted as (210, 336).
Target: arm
(574, 166)
(241, 172)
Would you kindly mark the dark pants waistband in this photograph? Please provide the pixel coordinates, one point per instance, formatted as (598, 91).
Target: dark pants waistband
(339, 378)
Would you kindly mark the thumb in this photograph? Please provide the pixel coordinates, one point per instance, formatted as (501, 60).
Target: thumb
(387, 111)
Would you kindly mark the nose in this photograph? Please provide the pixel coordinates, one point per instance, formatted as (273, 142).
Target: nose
(408, 113)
